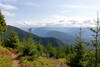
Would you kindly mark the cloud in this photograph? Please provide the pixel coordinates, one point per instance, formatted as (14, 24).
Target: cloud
(74, 21)
(73, 6)
(6, 13)
(80, 6)
(10, 0)
(57, 21)
(6, 6)
(32, 4)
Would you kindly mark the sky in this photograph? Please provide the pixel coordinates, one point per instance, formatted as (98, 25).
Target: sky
(50, 13)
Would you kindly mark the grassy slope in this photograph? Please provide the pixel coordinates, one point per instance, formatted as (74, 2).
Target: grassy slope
(5, 60)
(40, 62)
(44, 62)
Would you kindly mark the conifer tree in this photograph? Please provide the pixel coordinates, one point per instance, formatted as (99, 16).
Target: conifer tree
(79, 48)
(77, 56)
(11, 40)
(96, 38)
(50, 51)
(3, 26)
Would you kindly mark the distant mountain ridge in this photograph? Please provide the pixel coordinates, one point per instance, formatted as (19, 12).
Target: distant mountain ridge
(66, 34)
(64, 37)
(43, 40)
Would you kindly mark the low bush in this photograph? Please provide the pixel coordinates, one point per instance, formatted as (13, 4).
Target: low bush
(40, 62)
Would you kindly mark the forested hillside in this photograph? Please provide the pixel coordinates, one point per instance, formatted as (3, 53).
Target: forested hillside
(43, 40)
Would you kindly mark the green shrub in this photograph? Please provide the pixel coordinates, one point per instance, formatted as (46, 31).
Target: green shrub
(63, 60)
(40, 62)
(5, 61)
(11, 40)
(29, 49)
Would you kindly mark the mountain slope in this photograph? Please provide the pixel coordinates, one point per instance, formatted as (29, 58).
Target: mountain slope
(64, 37)
(23, 34)
(49, 32)
(66, 34)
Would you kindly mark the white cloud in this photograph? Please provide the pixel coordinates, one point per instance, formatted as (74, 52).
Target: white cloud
(58, 21)
(32, 4)
(6, 13)
(10, 0)
(73, 6)
(74, 21)
(81, 6)
(15, 23)
(6, 6)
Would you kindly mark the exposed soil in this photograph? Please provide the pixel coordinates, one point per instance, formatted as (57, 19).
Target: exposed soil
(16, 61)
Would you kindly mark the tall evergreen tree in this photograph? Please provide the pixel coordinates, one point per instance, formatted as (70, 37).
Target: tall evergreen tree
(11, 40)
(79, 48)
(77, 56)
(50, 51)
(3, 26)
(96, 38)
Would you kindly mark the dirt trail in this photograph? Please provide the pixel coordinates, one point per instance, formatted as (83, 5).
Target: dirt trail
(15, 62)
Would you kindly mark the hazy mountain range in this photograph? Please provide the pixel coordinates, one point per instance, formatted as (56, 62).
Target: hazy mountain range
(66, 34)
(43, 40)
(57, 36)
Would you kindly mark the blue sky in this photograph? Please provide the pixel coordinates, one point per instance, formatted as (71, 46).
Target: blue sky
(68, 13)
